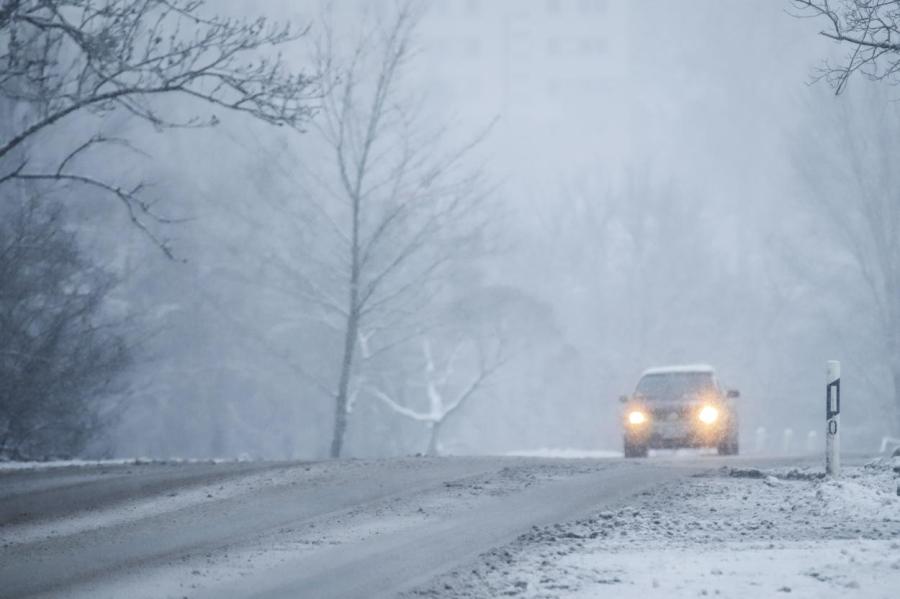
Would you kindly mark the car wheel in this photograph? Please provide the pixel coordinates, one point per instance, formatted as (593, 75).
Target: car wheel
(729, 447)
(635, 451)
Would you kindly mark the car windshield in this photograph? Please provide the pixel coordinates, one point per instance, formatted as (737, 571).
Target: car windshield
(675, 384)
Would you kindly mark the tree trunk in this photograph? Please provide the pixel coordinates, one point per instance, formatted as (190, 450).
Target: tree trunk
(893, 357)
(895, 370)
(435, 438)
(340, 408)
(351, 333)
(892, 326)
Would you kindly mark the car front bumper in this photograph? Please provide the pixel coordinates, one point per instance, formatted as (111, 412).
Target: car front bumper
(676, 435)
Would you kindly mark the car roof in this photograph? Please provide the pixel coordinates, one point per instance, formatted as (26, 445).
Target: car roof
(684, 368)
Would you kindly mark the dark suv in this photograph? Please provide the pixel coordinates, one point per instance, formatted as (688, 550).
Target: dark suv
(680, 406)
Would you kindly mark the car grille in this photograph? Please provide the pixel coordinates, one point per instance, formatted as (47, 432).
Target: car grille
(670, 412)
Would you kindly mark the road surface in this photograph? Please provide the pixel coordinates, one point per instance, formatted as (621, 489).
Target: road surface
(354, 528)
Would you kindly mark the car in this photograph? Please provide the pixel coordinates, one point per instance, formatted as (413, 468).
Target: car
(680, 406)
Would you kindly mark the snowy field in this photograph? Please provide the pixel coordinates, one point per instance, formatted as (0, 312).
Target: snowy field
(734, 533)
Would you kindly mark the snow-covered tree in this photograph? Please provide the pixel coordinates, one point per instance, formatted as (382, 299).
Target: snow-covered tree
(448, 384)
(852, 192)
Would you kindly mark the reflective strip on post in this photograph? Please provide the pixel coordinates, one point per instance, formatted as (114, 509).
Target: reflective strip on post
(833, 418)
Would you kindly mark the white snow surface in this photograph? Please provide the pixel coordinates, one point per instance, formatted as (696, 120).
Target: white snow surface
(742, 533)
(76, 463)
(570, 453)
(566, 453)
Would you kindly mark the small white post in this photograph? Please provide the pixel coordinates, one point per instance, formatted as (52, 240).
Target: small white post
(811, 438)
(761, 435)
(787, 441)
(833, 418)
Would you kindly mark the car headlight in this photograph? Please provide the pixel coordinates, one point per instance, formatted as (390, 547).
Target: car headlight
(637, 417)
(708, 414)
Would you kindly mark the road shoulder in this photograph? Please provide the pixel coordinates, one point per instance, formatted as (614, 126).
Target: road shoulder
(737, 532)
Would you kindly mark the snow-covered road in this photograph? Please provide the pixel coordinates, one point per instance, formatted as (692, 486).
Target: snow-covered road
(326, 529)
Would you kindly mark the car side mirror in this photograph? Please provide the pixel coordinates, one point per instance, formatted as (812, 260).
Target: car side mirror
(623, 399)
(733, 393)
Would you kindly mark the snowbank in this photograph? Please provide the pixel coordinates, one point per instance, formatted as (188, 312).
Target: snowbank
(10, 466)
(735, 533)
(581, 454)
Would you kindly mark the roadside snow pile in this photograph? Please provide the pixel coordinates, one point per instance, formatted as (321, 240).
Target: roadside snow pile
(566, 453)
(875, 496)
(600, 454)
(736, 532)
(6, 466)
(15, 466)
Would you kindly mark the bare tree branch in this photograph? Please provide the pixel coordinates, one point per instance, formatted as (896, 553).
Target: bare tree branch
(438, 379)
(872, 30)
(62, 58)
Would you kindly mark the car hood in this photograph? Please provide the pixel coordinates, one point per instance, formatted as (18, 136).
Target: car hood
(682, 400)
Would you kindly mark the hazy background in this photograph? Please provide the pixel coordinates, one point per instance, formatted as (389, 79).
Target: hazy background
(650, 165)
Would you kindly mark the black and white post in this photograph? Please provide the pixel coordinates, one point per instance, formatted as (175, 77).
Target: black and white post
(833, 418)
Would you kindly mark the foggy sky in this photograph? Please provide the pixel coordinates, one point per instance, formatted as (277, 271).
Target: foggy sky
(696, 105)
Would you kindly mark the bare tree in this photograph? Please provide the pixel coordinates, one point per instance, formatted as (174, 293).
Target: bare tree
(58, 355)
(386, 214)
(870, 28)
(62, 58)
(849, 170)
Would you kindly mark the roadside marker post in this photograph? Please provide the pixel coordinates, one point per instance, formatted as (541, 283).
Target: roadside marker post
(787, 441)
(832, 418)
(761, 435)
(811, 438)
